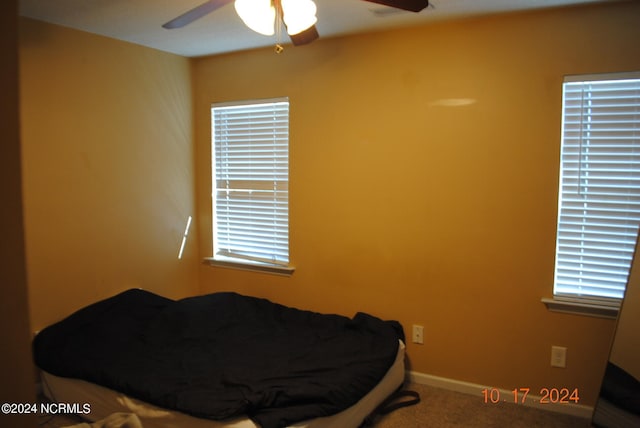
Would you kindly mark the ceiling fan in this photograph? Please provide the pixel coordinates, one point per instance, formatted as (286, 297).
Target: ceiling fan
(266, 16)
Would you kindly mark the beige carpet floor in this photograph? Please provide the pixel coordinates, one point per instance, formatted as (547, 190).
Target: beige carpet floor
(441, 408)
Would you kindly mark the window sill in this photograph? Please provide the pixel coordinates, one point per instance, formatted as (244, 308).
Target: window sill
(250, 266)
(582, 307)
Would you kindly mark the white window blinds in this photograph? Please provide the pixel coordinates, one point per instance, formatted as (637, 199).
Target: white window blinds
(250, 181)
(599, 198)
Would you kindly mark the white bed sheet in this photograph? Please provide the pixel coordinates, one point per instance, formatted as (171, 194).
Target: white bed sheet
(104, 402)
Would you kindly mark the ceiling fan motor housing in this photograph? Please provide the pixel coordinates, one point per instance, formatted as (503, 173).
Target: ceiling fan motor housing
(410, 5)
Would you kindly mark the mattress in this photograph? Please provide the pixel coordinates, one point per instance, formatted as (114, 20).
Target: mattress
(223, 355)
(104, 402)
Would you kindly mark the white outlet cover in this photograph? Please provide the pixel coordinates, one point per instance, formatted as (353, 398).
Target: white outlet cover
(417, 335)
(558, 356)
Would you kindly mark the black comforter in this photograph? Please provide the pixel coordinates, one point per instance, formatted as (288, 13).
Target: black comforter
(222, 355)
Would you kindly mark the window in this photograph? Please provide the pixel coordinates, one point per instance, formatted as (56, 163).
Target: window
(599, 197)
(250, 147)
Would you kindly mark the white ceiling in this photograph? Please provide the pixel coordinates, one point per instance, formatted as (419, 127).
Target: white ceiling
(140, 21)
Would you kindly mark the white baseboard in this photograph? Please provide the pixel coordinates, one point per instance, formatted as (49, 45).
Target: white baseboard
(531, 400)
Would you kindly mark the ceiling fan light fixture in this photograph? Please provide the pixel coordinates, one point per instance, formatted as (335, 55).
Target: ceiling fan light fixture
(304, 37)
(298, 15)
(259, 15)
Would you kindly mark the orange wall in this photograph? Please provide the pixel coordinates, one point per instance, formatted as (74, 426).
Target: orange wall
(107, 169)
(409, 206)
(16, 371)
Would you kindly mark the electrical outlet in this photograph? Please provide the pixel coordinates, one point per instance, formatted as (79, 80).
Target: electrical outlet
(417, 335)
(558, 356)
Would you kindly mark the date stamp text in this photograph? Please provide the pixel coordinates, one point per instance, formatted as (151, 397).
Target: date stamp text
(519, 396)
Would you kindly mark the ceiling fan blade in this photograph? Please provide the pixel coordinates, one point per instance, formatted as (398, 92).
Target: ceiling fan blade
(410, 5)
(305, 37)
(195, 13)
